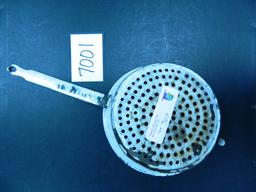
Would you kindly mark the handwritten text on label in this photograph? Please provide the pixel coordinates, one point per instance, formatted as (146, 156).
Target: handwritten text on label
(86, 57)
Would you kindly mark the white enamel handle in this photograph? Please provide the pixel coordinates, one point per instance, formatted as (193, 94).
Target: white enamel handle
(58, 85)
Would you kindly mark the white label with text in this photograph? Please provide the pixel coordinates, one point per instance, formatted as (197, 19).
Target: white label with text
(162, 115)
(86, 57)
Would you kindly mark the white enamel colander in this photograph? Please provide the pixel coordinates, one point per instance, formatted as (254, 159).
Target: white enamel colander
(129, 106)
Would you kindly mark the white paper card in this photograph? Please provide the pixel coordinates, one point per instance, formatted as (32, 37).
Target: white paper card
(162, 114)
(86, 57)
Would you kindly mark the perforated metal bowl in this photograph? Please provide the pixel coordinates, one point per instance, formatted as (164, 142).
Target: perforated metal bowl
(192, 131)
(129, 106)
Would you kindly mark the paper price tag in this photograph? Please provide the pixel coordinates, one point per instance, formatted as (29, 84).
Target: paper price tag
(162, 115)
(86, 57)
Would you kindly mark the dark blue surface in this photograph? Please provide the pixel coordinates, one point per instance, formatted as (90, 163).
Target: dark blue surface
(50, 142)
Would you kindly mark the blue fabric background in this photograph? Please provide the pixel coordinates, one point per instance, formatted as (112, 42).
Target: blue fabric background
(51, 143)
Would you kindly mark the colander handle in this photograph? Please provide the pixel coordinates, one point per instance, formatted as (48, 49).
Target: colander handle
(59, 85)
